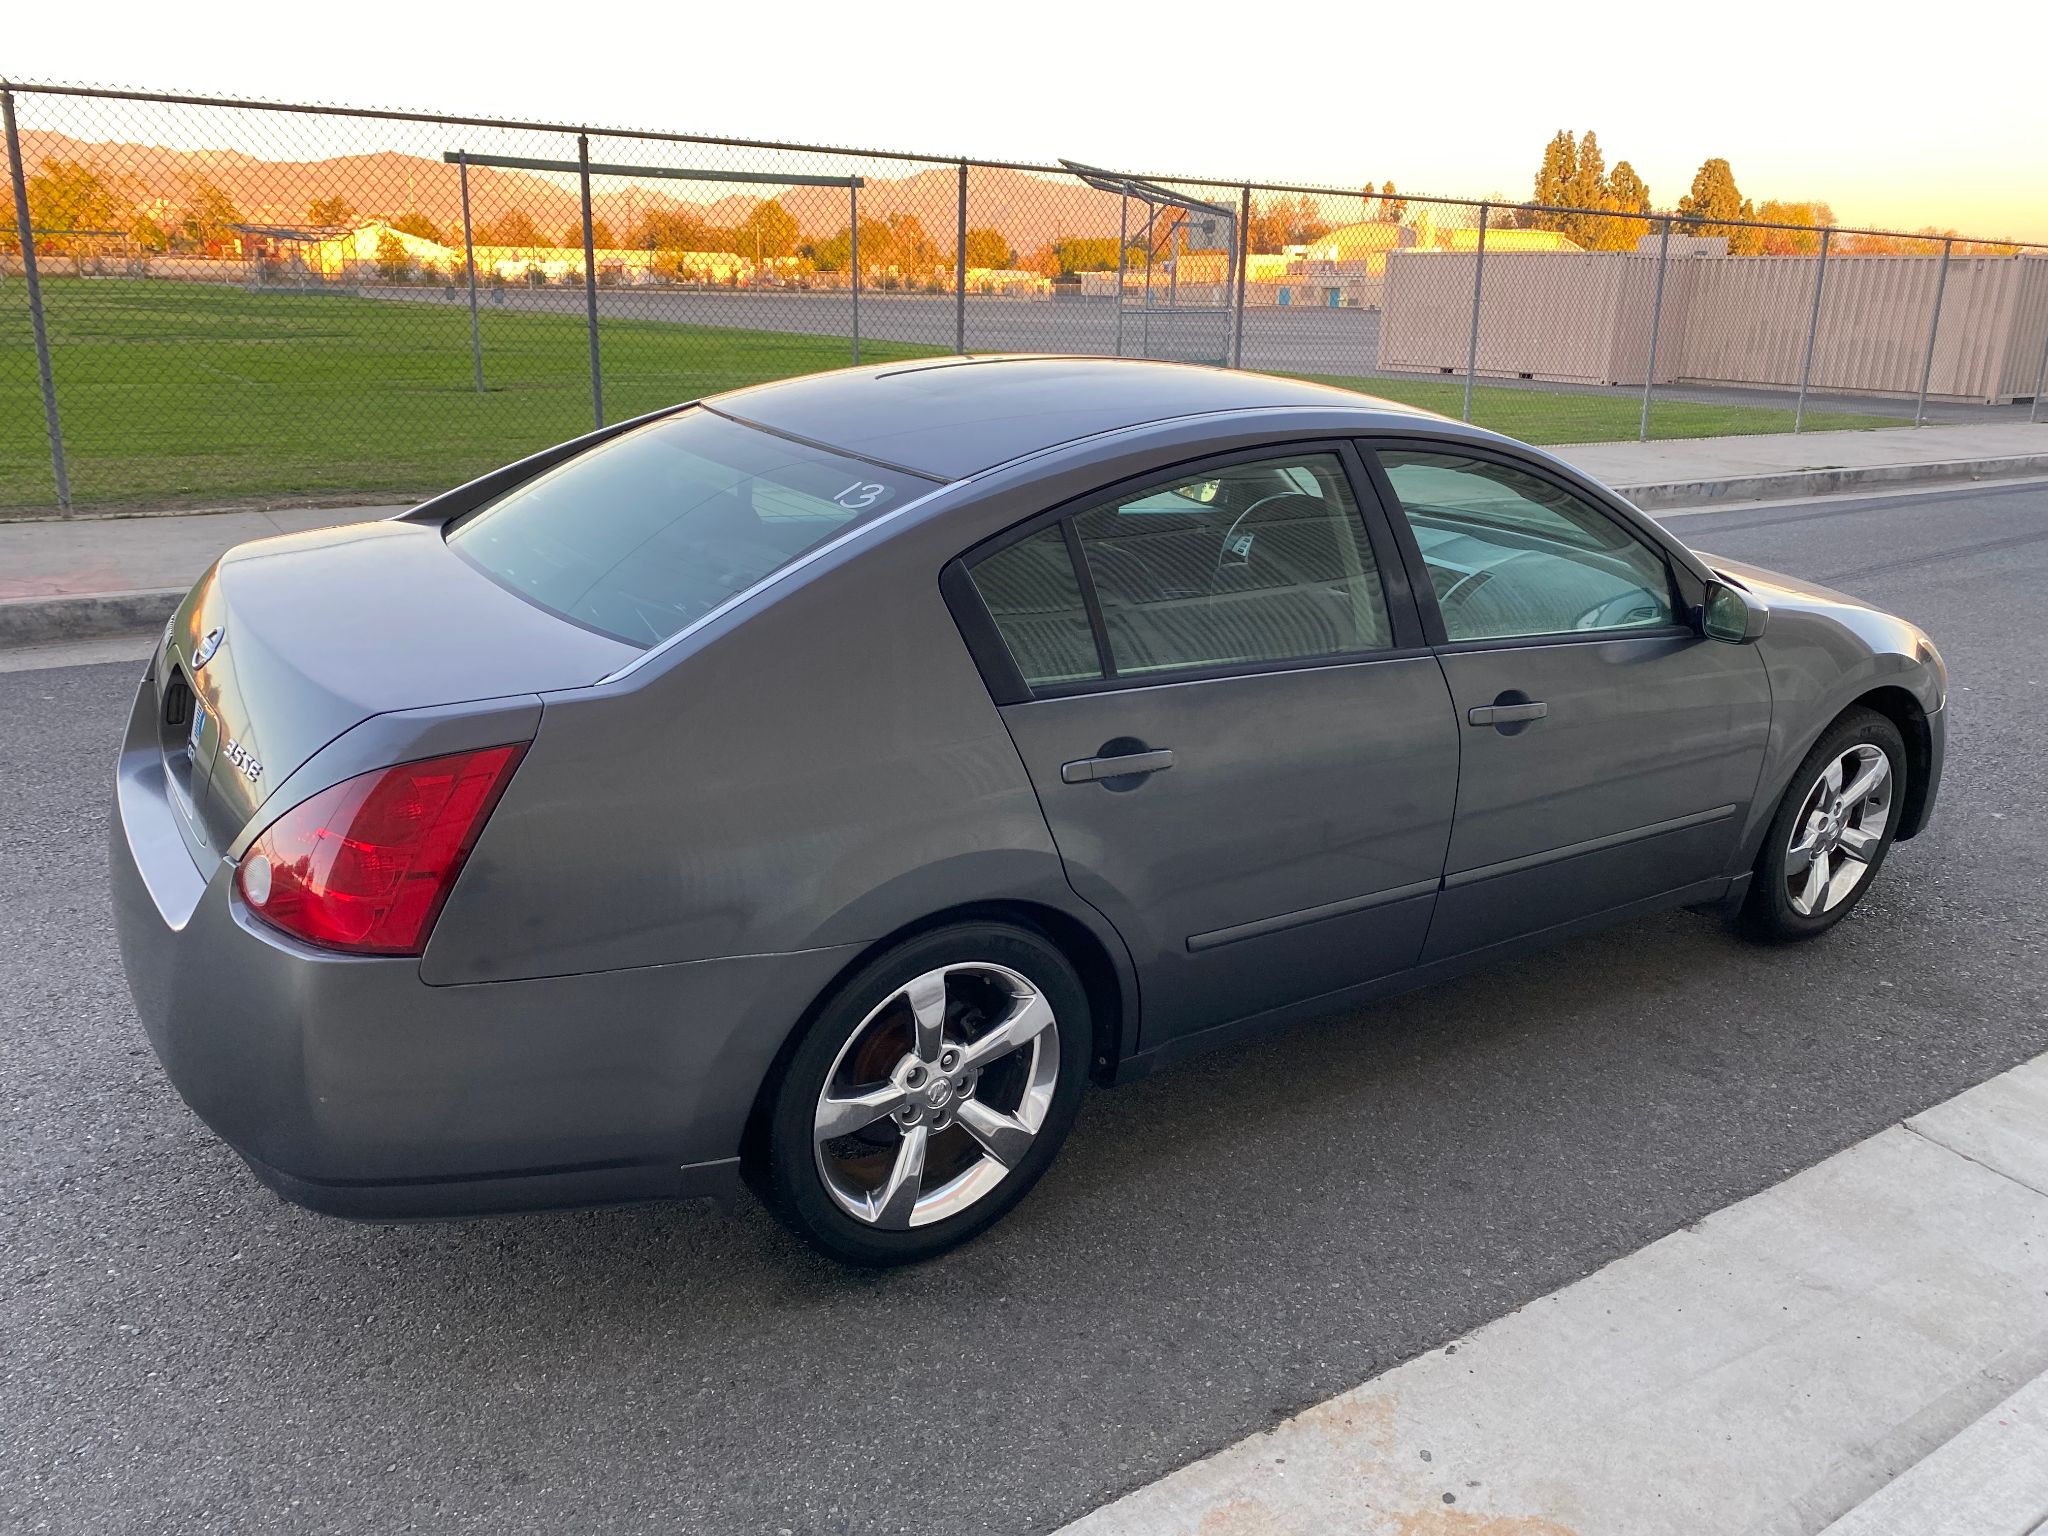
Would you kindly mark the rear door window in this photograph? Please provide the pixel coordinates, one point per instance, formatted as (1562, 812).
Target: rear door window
(1031, 592)
(643, 535)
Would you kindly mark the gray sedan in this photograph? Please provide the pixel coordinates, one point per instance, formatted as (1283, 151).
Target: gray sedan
(823, 782)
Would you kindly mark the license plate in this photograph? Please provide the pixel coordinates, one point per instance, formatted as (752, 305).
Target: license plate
(198, 727)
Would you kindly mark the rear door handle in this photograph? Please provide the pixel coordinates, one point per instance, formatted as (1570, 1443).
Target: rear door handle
(1505, 714)
(1089, 769)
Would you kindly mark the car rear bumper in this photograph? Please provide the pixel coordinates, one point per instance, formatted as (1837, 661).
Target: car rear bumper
(354, 1087)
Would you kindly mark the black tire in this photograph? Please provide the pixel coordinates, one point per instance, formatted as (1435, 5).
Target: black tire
(786, 1168)
(1768, 912)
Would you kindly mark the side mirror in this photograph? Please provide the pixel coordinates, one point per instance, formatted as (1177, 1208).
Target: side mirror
(1732, 615)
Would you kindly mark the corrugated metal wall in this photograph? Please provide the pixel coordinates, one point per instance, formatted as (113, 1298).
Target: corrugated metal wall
(1584, 317)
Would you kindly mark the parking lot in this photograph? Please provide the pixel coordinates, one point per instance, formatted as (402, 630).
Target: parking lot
(1217, 1247)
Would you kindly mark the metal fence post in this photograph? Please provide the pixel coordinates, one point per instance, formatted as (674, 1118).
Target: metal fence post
(1656, 325)
(1151, 238)
(1820, 274)
(960, 270)
(1933, 325)
(853, 259)
(26, 230)
(1243, 242)
(1478, 286)
(476, 345)
(590, 279)
(1123, 261)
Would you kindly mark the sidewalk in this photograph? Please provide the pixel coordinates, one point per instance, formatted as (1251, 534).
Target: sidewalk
(1858, 1351)
(96, 576)
(1700, 471)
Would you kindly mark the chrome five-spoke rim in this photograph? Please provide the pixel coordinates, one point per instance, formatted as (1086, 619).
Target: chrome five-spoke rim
(1841, 826)
(937, 1096)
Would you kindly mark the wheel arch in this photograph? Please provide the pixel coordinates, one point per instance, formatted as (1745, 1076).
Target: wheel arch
(1106, 975)
(1904, 711)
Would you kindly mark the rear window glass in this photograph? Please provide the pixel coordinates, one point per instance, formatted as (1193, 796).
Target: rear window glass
(641, 536)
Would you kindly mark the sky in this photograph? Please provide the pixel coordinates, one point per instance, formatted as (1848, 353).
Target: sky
(1886, 112)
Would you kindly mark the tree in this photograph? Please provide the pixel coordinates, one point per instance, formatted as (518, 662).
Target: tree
(66, 195)
(1715, 199)
(1793, 242)
(1278, 222)
(1555, 178)
(1590, 188)
(1586, 186)
(1630, 193)
(329, 212)
(600, 235)
(413, 222)
(876, 248)
(1392, 209)
(514, 226)
(210, 217)
(394, 262)
(148, 235)
(988, 249)
(769, 229)
(1305, 221)
(668, 229)
(1623, 192)
(1267, 231)
(1084, 253)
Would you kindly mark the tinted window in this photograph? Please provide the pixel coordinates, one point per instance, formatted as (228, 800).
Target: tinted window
(1264, 561)
(1511, 554)
(641, 536)
(1033, 595)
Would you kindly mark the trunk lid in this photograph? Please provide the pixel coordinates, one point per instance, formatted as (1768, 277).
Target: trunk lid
(288, 642)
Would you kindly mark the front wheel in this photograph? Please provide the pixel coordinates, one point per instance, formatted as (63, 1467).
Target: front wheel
(1832, 830)
(928, 1095)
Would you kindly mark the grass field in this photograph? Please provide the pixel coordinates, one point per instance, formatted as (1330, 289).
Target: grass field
(176, 393)
(184, 393)
(1559, 416)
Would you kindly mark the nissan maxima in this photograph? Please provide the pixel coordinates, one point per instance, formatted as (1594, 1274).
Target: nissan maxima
(820, 784)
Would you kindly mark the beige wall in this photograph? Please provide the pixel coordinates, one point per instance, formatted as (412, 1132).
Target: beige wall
(1741, 320)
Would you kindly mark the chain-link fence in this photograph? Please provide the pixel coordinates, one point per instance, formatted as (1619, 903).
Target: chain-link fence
(207, 300)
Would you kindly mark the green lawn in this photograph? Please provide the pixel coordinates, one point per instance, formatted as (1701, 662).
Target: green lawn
(175, 393)
(186, 393)
(1560, 416)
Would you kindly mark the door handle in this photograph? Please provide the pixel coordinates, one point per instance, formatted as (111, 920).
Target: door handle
(1505, 714)
(1089, 769)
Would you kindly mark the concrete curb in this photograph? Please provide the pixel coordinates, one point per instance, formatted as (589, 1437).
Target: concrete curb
(1790, 484)
(40, 620)
(1991, 1477)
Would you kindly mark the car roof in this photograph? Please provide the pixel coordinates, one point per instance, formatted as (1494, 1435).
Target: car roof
(954, 416)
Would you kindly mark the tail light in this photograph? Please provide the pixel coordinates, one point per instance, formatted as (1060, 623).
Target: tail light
(365, 866)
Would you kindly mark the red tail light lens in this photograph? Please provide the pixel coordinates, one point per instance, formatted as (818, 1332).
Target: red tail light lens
(364, 867)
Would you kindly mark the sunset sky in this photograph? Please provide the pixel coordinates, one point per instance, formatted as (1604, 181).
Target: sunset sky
(1896, 122)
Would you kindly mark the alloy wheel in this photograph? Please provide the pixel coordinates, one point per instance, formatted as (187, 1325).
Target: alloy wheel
(1839, 830)
(937, 1095)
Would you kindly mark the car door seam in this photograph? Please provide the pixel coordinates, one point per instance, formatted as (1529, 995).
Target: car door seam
(1345, 906)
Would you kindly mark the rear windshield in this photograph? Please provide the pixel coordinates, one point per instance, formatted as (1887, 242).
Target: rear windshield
(641, 536)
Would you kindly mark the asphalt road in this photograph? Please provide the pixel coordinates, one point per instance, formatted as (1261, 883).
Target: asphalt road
(1218, 1246)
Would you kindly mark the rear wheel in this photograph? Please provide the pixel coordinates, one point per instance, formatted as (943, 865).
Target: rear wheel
(928, 1095)
(1832, 830)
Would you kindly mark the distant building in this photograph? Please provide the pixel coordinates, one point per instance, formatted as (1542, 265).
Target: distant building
(362, 248)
